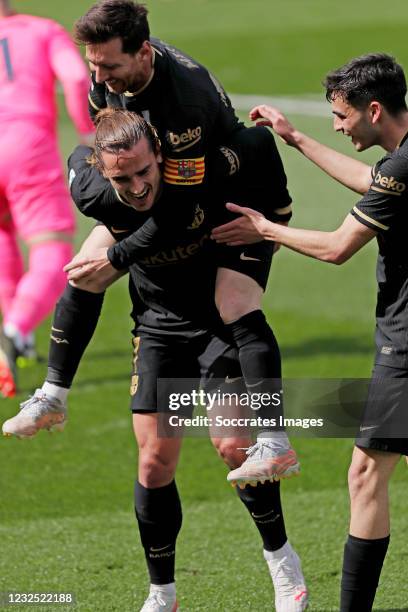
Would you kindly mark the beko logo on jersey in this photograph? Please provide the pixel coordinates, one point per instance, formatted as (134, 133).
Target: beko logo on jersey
(389, 183)
(187, 139)
(232, 159)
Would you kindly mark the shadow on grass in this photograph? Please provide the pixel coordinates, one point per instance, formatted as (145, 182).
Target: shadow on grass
(329, 346)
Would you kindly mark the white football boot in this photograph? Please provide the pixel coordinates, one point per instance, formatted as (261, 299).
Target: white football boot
(288, 581)
(40, 411)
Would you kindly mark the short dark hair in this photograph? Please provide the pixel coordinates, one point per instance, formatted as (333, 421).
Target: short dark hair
(375, 76)
(109, 19)
(119, 130)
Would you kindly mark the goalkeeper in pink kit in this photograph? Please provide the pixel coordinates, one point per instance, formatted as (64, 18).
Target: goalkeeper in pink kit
(34, 201)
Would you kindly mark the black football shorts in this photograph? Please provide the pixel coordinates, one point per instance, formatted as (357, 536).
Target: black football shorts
(165, 363)
(384, 425)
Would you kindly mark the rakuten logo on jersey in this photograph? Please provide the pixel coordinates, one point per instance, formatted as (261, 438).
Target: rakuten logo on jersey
(185, 140)
(389, 183)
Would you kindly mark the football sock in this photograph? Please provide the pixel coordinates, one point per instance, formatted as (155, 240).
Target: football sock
(159, 516)
(168, 590)
(260, 360)
(11, 269)
(59, 393)
(40, 287)
(75, 319)
(264, 505)
(362, 564)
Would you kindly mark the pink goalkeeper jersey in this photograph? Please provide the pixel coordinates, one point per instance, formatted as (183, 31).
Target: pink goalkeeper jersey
(34, 52)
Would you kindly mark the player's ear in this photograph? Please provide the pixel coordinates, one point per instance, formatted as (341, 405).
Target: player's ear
(145, 52)
(159, 155)
(376, 110)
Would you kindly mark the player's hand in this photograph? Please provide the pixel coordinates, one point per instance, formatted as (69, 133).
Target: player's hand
(246, 229)
(82, 266)
(272, 117)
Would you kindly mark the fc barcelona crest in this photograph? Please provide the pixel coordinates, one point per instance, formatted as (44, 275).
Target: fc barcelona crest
(186, 168)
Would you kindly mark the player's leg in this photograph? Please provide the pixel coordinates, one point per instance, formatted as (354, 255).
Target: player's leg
(157, 502)
(377, 452)
(264, 506)
(158, 508)
(12, 267)
(35, 294)
(11, 271)
(43, 217)
(239, 291)
(369, 536)
(241, 280)
(75, 319)
(263, 502)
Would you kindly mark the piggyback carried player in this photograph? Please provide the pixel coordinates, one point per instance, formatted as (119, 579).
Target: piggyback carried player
(34, 201)
(191, 112)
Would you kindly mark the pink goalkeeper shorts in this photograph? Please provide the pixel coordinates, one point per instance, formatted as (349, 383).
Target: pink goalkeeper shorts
(33, 193)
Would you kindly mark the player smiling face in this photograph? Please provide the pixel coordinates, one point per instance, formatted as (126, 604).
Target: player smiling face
(118, 70)
(135, 174)
(358, 124)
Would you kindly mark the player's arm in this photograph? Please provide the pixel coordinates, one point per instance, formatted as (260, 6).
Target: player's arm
(147, 239)
(346, 170)
(70, 70)
(333, 247)
(102, 274)
(378, 211)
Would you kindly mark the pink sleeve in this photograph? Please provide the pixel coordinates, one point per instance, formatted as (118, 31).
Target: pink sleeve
(71, 71)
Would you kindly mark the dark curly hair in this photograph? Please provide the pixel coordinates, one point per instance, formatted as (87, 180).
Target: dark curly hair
(109, 19)
(375, 76)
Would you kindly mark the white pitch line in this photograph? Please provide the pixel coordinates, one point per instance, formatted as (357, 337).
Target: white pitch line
(297, 106)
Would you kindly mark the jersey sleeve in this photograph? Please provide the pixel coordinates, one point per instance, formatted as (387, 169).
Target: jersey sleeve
(226, 121)
(251, 168)
(71, 71)
(149, 237)
(380, 207)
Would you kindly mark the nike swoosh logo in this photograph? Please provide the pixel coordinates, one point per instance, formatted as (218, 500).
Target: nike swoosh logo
(368, 427)
(229, 380)
(245, 258)
(257, 516)
(255, 384)
(57, 330)
(159, 549)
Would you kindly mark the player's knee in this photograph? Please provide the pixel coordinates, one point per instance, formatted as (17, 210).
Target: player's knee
(230, 451)
(93, 286)
(234, 305)
(155, 470)
(363, 481)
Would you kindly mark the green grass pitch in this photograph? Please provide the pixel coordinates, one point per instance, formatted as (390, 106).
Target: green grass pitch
(66, 516)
